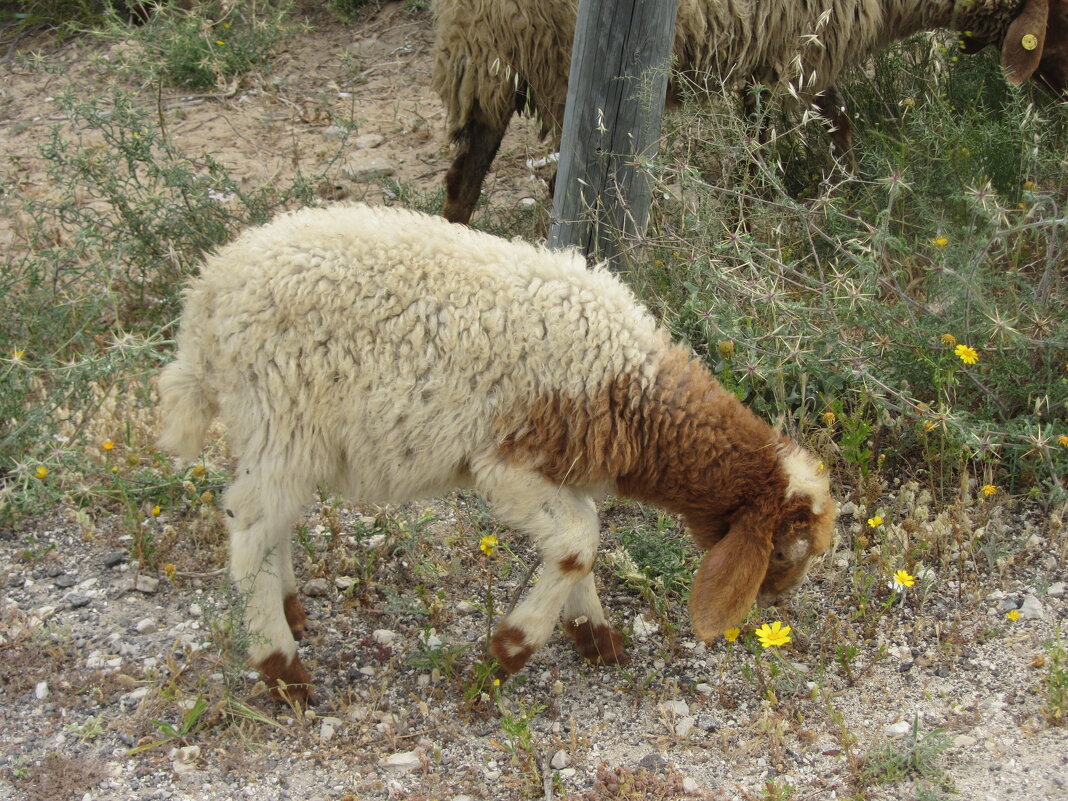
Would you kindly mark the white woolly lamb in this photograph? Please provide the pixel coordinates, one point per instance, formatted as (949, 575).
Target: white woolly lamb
(495, 58)
(390, 355)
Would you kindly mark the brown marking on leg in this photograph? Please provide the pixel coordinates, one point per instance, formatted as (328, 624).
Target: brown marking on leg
(287, 678)
(601, 644)
(508, 645)
(573, 564)
(295, 616)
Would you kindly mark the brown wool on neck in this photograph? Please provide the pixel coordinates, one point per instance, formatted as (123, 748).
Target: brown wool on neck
(685, 443)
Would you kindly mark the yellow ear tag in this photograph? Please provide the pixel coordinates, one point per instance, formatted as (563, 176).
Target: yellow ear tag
(1029, 42)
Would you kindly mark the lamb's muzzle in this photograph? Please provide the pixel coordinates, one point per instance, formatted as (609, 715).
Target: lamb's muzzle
(390, 356)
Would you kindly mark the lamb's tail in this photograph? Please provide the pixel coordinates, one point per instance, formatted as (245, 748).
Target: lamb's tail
(187, 408)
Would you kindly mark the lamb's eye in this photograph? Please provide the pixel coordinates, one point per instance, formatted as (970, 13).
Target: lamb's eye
(779, 556)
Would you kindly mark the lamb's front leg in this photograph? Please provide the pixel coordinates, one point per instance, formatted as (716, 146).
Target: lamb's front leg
(563, 525)
(585, 623)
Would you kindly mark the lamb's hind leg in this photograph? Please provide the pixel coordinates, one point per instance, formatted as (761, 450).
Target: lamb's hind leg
(260, 515)
(476, 146)
(563, 524)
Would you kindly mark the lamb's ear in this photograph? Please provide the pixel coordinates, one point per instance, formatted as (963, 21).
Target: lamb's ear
(1022, 49)
(729, 578)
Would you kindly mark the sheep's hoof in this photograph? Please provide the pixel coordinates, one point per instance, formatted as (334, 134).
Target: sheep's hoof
(288, 679)
(295, 616)
(601, 644)
(509, 646)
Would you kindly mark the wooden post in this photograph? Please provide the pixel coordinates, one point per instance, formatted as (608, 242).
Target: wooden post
(620, 63)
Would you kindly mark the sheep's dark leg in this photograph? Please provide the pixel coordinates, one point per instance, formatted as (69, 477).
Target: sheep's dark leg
(477, 145)
(835, 115)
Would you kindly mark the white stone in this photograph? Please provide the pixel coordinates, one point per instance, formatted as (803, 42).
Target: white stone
(704, 689)
(899, 729)
(146, 584)
(679, 708)
(403, 762)
(196, 610)
(183, 760)
(343, 583)
(362, 170)
(1031, 608)
(385, 636)
(685, 726)
(146, 626)
(41, 690)
(328, 728)
(643, 629)
(368, 141)
(689, 785)
(560, 760)
(466, 608)
(1056, 590)
(964, 741)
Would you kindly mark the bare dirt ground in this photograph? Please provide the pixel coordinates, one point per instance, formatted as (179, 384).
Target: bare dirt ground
(98, 658)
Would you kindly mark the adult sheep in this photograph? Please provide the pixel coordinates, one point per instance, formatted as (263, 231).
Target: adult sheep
(390, 355)
(495, 58)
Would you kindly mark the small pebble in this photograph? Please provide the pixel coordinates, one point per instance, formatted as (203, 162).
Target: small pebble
(899, 729)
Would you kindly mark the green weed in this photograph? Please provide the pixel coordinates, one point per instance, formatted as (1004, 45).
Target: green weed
(1055, 683)
(204, 48)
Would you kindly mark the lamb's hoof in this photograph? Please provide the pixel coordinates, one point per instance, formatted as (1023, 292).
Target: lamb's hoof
(509, 646)
(295, 616)
(601, 644)
(288, 679)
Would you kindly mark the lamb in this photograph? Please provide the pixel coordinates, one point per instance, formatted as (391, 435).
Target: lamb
(494, 58)
(390, 355)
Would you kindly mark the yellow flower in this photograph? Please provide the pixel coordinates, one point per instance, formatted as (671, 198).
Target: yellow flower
(41, 472)
(156, 510)
(488, 545)
(875, 522)
(903, 579)
(198, 471)
(989, 489)
(1063, 440)
(730, 635)
(949, 340)
(1013, 615)
(496, 682)
(207, 497)
(829, 418)
(219, 42)
(18, 355)
(966, 354)
(940, 241)
(929, 425)
(775, 634)
(169, 570)
(1028, 185)
(107, 445)
(726, 349)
